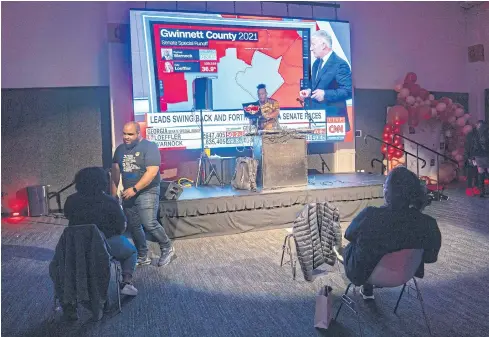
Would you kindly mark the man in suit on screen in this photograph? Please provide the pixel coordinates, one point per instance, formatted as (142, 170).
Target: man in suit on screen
(331, 79)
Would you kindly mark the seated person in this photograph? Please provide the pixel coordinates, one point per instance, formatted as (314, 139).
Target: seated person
(90, 205)
(397, 225)
(270, 110)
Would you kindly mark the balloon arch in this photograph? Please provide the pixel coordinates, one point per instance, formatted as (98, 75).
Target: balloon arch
(414, 104)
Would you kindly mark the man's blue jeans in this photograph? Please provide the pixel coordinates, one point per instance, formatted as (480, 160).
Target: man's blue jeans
(142, 211)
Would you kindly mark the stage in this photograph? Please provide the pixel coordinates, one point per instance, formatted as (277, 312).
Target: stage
(213, 210)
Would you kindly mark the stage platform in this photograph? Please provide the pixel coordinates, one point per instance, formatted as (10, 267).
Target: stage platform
(212, 210)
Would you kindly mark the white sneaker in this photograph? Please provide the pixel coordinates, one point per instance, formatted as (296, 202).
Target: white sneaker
(129, 290)
(366, 297)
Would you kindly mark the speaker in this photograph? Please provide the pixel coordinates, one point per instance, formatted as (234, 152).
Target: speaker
(203, 93)
(37, 197)
(170, 190)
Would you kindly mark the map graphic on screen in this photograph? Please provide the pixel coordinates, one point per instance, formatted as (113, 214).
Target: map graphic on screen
(169, 51)
(234, 58)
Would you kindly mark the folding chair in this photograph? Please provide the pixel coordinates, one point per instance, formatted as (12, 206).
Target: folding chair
(287, 248)
(393, 270)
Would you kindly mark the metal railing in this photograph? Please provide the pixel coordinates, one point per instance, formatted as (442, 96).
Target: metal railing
(382, 166)
(406, 153)
(418, 145)
(438, 155)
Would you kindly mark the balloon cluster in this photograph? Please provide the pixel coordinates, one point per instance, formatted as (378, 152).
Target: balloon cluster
(389, 137)
(415, 103)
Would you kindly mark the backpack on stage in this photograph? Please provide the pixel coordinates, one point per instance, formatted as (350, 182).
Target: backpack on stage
(245, 174)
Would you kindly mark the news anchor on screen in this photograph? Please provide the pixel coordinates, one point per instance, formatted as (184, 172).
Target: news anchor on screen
(330, 79)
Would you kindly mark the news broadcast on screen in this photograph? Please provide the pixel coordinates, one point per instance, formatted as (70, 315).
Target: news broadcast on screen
(219, 68)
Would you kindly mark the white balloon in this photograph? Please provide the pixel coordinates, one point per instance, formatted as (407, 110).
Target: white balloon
(461, 121)
(410, 100)
(459, 112)
(404, 92)
(441, 106)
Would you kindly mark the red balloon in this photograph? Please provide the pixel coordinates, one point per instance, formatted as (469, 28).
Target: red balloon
(387, 128)
(412, 112)
(396, 129)
(410, 78)
(415, 89)
(391, 150)
(401, 101)
(425, 112)
(397, 115)
(383, 148)
(387, 137)
(397, 141)
(398, 154)
(444, 115)
(424, 94)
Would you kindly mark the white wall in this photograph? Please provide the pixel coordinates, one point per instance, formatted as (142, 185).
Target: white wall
(388, 39)
(64, 43)
(477, 31)
(49, 44)
(54, 44)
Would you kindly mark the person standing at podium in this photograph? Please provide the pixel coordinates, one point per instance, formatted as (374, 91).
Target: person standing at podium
(270, 110)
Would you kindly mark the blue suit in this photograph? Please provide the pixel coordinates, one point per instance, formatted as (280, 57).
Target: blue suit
(335, 79)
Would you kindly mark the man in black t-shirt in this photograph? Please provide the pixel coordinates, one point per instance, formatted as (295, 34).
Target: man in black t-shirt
(138, 162)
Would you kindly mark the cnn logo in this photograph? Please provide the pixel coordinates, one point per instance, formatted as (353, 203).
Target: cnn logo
(336, 128)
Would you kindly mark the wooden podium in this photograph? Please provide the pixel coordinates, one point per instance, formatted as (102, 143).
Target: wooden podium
(282, 159)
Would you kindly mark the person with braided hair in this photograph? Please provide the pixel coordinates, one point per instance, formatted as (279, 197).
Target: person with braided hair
(270, 110)
(399, 224)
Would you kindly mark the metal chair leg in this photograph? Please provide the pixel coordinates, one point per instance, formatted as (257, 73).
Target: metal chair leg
(118, 273)
(341, 304)
(284, 246)
(292, 260)
(287, 247)
(351, 305)
(422, 306)
(399, 299)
